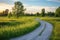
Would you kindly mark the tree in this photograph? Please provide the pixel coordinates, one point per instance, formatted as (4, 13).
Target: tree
(18, 9)
(37, 14)
(6, 12)
(10, 14)
(43, 12)
(50, 14)
(57, 12)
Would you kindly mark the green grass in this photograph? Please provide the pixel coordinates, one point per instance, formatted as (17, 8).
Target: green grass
(55, 21)
(13, 27)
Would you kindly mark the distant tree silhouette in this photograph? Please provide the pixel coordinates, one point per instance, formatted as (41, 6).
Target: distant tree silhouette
(31, 14)
(57, 12)
(50, 14)
(6, 12)
(43, 12)
(37, 14)
(3, 12)
(10, 15)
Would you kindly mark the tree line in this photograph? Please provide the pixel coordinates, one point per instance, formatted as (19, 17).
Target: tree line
(4, 13)
(18, 10)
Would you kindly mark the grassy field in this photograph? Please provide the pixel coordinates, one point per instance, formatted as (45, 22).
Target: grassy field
(13, 27)
(55, 21)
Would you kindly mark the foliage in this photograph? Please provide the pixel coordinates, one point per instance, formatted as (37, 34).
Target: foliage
(51, 14)
(4, 13)
(21, 26)
(18, 9)
(37, 14)
(43, 12)
(57, 12)
(9, 15)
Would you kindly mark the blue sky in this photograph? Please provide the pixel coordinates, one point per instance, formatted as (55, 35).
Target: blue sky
(33, 4)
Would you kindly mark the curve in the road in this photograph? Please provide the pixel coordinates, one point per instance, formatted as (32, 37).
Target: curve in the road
(46, 33)
(34, 35)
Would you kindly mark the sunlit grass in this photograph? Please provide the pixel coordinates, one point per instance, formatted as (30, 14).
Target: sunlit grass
(25, 25)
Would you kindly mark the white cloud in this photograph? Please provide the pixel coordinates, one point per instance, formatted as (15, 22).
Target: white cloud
(4, 6)
(15, 0)
(29, 9)
(34, 9)
(54, 0)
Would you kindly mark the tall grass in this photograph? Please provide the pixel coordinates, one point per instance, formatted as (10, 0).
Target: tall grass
(7, 32)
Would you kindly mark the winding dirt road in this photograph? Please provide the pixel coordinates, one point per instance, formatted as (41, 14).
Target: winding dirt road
(43, 32)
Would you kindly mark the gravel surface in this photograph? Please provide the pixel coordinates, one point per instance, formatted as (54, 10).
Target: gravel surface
(34, 35)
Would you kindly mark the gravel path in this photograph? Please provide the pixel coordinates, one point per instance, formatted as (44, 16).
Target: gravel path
(34, 35)
(46, 33)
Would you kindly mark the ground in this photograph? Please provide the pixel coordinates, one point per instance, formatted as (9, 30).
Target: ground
(55, 21)
(27, 22)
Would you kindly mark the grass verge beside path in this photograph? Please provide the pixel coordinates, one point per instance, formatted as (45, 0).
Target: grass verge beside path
(56, 27)
(25, 25)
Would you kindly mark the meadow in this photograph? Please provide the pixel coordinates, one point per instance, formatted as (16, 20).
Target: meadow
(55, 21)
(14, 27)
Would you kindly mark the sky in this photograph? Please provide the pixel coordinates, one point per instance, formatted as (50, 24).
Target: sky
(32, 6)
